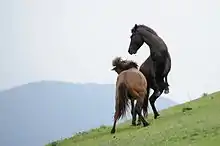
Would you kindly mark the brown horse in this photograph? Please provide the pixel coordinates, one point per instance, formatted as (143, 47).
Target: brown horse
(131, 84)
(121, 65)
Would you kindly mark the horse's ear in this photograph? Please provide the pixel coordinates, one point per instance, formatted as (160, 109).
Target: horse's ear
(114, 68)
(135, 26)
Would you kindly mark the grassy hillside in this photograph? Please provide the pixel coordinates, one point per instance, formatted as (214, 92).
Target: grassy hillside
(197, 127)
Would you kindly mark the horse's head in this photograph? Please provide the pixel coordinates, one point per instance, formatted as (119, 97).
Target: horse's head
(136, 40)
(117, 65)
(117, 69)
(121, 65)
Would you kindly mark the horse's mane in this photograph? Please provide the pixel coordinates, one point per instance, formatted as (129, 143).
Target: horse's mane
(145, 27)
(124, 64)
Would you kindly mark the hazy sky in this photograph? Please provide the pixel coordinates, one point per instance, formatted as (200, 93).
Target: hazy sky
(75, 41)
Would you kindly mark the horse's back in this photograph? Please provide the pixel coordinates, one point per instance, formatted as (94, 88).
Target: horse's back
(133, 79)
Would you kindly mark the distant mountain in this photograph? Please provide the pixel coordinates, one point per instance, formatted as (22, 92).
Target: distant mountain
(35, 113)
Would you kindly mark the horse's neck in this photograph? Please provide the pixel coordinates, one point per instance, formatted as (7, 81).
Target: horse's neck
(149, 29)
(148, 37)
(154, 42)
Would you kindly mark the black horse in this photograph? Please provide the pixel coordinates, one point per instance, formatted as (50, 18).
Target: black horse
(158, 64)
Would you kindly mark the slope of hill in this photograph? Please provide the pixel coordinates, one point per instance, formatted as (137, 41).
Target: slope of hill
(36, 113)
(197, 126)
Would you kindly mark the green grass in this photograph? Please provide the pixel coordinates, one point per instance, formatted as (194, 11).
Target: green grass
(197, 127)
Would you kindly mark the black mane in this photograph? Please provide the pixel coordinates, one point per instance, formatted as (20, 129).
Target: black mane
(133, 30)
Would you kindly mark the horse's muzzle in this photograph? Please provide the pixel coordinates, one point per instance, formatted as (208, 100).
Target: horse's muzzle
(130, 51)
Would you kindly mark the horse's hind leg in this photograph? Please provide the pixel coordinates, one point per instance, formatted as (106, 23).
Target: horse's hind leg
(138, 108)
(132, 113)
(166, 72)
(166, 90)
(135, 115)
(145, 105)
(153, 99)
(139, 120)
(115, 120)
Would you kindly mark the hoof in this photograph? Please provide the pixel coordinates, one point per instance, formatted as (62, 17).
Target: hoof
(139, 123)
(133, 124)
(166, 91)
(112, 131)
(156, 116)
(157, 93)
(145, 115)
(146, 124)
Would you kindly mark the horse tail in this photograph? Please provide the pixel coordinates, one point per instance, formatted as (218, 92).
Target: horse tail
(145, 105)
(122, 99)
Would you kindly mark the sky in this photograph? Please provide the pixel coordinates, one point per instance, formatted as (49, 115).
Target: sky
(76, 41)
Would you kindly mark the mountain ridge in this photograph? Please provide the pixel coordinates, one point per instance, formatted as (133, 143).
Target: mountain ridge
(48, 110)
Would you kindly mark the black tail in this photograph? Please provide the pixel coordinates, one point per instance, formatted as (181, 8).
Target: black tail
(145, 105)
(122, 100)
